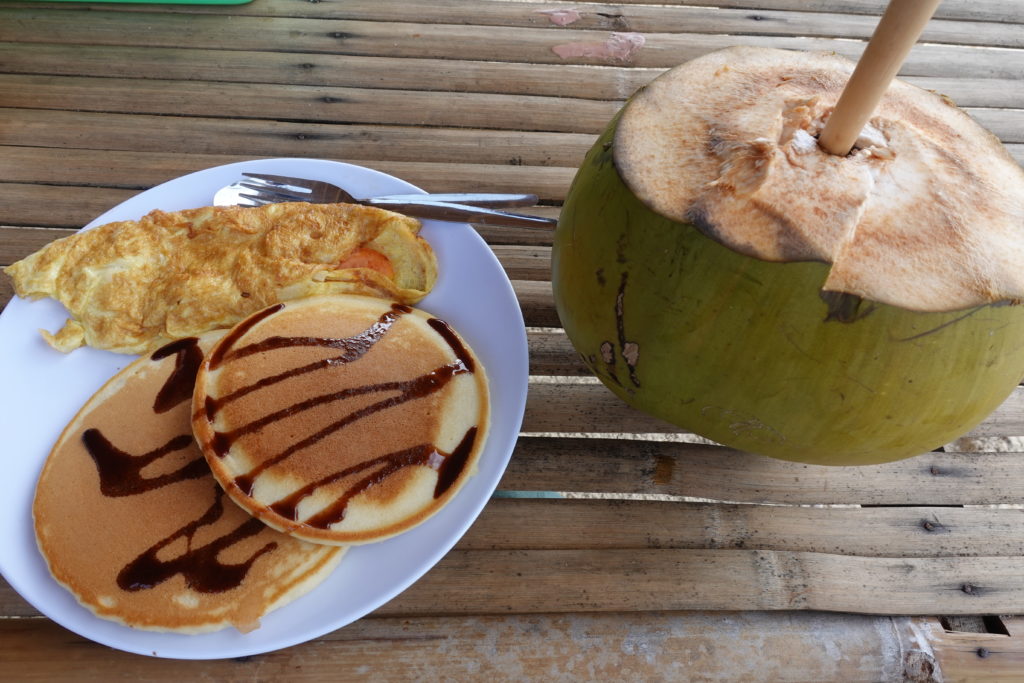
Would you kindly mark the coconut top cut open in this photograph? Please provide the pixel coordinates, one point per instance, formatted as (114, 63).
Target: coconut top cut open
(925, 213)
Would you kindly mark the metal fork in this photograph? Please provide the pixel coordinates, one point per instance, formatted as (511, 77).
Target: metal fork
(259, 189)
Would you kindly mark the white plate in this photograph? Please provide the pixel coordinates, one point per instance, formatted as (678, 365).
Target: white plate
(44, 389)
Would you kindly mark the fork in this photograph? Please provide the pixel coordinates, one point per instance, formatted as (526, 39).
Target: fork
(261, 189)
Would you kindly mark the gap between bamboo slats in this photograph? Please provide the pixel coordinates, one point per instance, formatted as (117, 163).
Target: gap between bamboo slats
(467, 582)
(784, 647)
(396, 73)
(496, 43)
(599, 17)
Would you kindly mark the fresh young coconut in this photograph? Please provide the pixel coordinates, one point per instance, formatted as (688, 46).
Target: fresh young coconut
(716, 268)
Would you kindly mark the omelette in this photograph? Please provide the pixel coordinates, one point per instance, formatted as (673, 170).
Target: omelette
(133, 286)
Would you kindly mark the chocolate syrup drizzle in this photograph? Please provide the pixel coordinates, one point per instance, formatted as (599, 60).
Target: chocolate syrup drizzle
(353, 348)
(178, 387)
(120, 474)
(202, 570)
(449, 466)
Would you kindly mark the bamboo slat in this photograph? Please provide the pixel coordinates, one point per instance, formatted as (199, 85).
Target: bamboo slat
(516, 524)
(646, 18)
(1002, 11)
(591, 408)
(979, 656)
(144, 169)
(251, 66)
(351, 105)
(971, 10)
(593, 82)
(64, 206)
(473, 582)
(308, 103)
(628, 466)
(498, 43)
(638, 646)
(142, 134)
(640, 580)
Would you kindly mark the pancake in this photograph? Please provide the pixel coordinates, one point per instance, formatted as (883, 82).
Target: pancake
(130, 520)
(341, 419)
(133, 286)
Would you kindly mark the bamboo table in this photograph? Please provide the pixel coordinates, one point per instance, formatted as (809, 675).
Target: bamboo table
(660, 558)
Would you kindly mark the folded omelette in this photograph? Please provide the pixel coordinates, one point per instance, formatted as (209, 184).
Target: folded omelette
(133, 286)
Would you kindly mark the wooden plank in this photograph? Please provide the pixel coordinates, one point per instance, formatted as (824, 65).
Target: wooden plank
(6, 291)
(308, 103)
(980, 92)
(512, 524)
(350, 105)
(507, 44)
(630, 580)
(979, 656)
(751, 647)
(537, 302)
(552, 354)
(596, 16)
(1006, 11)
(56, 205)
(1007, 124)
(38, 128)
(251, 66)
(627, 466)
(64, 206)
(17, 243)
(470, 582)
(596, 82)
(1003, 11)
(592, 408)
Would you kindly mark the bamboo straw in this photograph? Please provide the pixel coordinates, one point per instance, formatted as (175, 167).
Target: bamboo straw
(898, 30)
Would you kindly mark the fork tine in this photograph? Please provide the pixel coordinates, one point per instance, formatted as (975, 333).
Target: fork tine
(254, 200)
(282, 180)
(273, 194)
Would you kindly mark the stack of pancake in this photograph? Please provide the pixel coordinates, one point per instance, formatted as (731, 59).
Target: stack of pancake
(328, 421)
(222, 475)
(132, 522)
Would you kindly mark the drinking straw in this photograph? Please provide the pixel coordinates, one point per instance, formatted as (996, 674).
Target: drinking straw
(896, 33)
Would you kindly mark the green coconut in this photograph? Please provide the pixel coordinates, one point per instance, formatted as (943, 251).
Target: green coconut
(715, 268)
